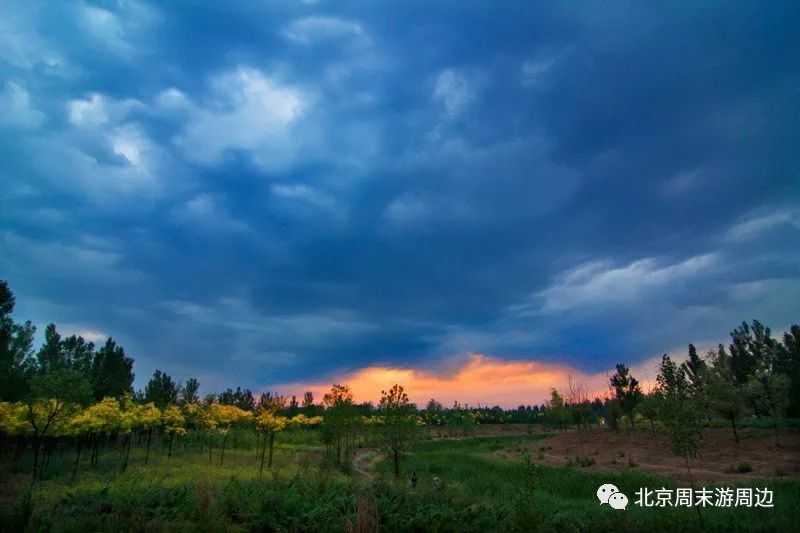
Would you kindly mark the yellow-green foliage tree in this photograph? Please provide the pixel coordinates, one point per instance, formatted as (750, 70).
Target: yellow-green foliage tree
(174, 424)
(149, 418)
(269, 424)
(224, 418)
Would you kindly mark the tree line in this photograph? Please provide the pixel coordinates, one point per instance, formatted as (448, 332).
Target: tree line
(69, 393)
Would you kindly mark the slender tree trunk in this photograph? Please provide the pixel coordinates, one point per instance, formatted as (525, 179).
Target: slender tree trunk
(271, 443)
(147, 453)
(171, 440)
(691, 483)
(127, 447)
(263, 451)
(95, 449)
(735, 433)
(36, 446)
(77, 460)
(222, 453)
(396, 453)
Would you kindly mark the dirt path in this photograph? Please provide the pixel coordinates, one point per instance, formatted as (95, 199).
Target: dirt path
(364, 462)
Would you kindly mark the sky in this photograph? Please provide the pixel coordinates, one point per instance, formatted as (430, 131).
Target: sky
(477, 199)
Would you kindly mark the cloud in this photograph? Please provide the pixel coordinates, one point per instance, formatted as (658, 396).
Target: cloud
(97, 110)
(16, 110)
(112, 163)
(755, 226)
(453, 91)
(89, 334)
(318, 29)
(250, 112)
(67, 261)
(118, 32)
(204, 212)
(303, 193)
(600, 283)
(535, 71)
(22, 45)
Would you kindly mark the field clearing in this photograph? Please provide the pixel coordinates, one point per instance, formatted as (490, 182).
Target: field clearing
(718, 460)
(492, 481)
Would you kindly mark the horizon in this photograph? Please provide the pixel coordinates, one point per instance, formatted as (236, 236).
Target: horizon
(281, 197)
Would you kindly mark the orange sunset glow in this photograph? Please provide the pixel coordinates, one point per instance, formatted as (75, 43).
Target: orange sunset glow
(479, 379)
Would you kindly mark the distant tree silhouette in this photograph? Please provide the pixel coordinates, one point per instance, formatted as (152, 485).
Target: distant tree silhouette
(627, 391)
(189, 391)
(161, 390)
(112, 371)
(16, 348)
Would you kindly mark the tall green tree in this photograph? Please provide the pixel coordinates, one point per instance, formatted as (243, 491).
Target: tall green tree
(726, 396)
(241, 398)
(161, 390)
(16, 349)
(78, 354)
(50, 356)
(339, 422)
(189, 392)
(750, 348)
(53, 397)
(112, 371)
(695, 369)
(627, 391)
(788, 363)
(399, 423)
(680, 414)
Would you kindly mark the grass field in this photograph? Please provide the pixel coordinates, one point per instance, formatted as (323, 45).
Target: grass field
(489, 483)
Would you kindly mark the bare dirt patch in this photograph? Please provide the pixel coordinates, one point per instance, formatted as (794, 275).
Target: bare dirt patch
(719, 458)
(483, 430)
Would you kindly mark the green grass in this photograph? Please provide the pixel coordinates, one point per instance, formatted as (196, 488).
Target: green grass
(482, 492)
(531, 497)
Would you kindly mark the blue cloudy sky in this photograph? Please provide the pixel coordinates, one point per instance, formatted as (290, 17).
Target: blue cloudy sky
(261, 193)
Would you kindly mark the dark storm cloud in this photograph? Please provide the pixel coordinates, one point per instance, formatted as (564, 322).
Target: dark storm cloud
(264, 192)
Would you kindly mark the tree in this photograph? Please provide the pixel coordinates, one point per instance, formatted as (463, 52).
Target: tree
(189, 391)
(271, 402)
(557, 413)
(16, 348)
(112, 372)
(695, 369)
(339, 421)
(724, 393)
(243, 399)
(399, 423)
(78, 354)
(650, 408)
(161, 390)
(308, 400)
(788, 363)
(627, 391)
(174, 424)
(751, 347)
(679, 413)
(769, 393)
(50, 357)
(224, 417)
(268, 423)
(53, 398)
